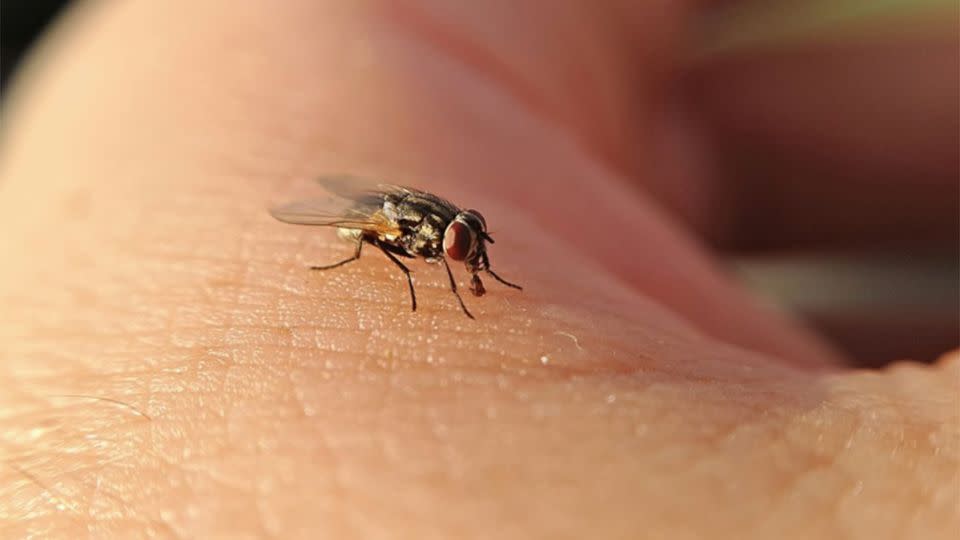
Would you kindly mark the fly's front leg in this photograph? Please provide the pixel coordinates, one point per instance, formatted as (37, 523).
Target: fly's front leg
(356, 255)
(486, 268)
(406, 271)
(476, 286)
(453, 287)
(501, 280)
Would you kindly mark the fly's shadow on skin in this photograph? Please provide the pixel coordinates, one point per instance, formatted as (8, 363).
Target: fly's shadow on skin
(401, 222)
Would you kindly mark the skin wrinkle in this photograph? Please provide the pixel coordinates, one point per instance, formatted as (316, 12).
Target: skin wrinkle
(58, 498)
(81, 506)
(107, 400)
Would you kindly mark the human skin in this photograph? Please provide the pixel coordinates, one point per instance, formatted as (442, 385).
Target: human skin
(170, 367)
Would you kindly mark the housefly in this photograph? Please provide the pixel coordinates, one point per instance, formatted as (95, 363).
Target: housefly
(400, 222)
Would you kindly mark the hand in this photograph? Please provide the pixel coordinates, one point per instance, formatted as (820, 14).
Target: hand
(171, 368)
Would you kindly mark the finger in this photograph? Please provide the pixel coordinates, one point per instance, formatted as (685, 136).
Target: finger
(425, 117)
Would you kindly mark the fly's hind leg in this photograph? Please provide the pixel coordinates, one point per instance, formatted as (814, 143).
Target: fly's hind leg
(356, 255)
(406, 271)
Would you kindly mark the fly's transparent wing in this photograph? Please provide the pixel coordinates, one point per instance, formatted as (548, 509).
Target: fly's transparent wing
(322, 213)
(357, 210)
(359, 188)
(352, 187)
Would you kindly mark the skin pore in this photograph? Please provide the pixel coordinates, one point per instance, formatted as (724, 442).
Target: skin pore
(170, 368)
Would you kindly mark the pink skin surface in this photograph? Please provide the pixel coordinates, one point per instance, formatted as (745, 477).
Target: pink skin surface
(171, 369)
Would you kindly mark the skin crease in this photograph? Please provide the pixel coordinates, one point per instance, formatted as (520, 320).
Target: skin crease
(630, 390)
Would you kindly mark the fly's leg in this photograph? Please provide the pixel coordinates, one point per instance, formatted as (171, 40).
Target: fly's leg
(406, 271)
(486, 268)
(453, 287)
(476, 286)
(356, 255)
(501, 280)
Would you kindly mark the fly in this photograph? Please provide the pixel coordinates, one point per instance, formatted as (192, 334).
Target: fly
(400, 222)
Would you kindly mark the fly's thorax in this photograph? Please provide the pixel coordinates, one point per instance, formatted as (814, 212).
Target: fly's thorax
(398, 210)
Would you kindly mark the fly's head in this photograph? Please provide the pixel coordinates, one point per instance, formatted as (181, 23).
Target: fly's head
(465, 240)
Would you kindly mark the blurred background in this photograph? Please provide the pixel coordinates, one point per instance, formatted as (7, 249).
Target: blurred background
(838, 124)
(874, 263)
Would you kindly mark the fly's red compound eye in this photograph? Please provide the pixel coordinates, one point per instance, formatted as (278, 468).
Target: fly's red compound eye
(458, 241)
(479, 216)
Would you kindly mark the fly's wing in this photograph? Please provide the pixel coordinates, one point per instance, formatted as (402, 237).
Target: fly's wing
(323, 213)
(351, 187)
(362, 212)
(362, 189)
